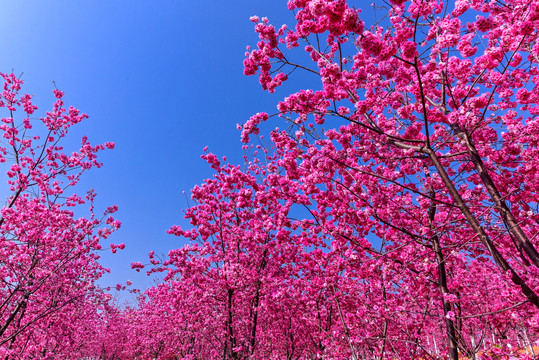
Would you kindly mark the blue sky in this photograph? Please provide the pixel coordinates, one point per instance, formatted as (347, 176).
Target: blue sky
(161, 79)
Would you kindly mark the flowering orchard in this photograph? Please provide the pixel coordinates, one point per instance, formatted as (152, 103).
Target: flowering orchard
(395, 213)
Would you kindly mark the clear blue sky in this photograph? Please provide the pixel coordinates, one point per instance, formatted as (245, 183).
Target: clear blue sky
(162, 79)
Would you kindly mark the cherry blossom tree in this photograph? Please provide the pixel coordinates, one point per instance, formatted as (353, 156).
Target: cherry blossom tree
(243, 253)
(431, 113)
(48, 254)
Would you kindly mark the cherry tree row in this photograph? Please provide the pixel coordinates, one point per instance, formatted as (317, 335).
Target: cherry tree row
(393, 213)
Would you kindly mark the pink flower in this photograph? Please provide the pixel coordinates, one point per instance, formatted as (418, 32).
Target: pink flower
(318, 7)
(58, 94)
